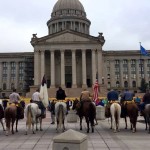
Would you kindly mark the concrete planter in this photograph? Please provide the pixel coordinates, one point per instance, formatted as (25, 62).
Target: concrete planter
(72, 117)
(70, 140)
(100, 112)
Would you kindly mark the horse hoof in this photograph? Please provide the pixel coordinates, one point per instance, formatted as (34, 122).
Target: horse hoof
(33, 132)
(37, 129)
(25, 134)
(41, 129)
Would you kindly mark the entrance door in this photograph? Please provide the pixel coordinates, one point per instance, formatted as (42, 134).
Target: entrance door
(68, 76)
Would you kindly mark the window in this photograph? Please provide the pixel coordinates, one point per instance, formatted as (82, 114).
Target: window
(134, 84)
(12, 86)
(4, 86)
(125, 84)
(117, 84)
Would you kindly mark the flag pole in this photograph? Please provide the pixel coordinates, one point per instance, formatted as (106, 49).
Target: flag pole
(141, 61)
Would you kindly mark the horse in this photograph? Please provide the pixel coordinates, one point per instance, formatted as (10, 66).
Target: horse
(147, 117)
(115, 111)
(33, 113)
(131, 110)
(87, 110)
(60, 112)
(13, 113)
(1, 114)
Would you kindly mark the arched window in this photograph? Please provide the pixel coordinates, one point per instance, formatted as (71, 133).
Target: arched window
(117, 84)
(125, 84)
(4, 86)
(12, 86)
(134, 84)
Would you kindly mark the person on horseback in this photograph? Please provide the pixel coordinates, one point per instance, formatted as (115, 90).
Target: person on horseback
(14, 97)
(36, 98)
(111, 97)
(126, 96)
(60, 94)
(145, 100)
(85, 96)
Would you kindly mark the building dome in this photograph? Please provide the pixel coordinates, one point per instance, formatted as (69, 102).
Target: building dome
(68, 4)
(68, 14)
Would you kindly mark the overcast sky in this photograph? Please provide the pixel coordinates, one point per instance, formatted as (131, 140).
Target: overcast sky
(124, 23)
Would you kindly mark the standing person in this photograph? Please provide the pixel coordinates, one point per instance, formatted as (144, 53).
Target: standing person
(14, 97)
(51, 108)
(112, 95)
(60, 94)
(36, 98)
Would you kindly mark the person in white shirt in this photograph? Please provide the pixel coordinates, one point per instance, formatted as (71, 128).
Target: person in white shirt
(14, 97)
(36, 98)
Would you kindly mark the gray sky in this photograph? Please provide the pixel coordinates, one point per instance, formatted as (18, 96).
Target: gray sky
(124, 23)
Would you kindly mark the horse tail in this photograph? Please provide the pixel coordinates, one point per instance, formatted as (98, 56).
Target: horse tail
(92, 113)
(60, 115)
(116, 112)
(29, 116)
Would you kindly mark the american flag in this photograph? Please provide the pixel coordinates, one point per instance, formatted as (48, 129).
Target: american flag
(95, 91)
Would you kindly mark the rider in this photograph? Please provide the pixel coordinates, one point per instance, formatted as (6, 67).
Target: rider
(126, 96)
(85, 96)
(14, 97)
(61, 95)
(145, 100)
(111, 96)
(36, 98)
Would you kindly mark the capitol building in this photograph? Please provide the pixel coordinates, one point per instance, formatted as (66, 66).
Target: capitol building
(71, 58)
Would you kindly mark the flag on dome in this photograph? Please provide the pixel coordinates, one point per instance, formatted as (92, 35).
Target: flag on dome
(95, 91)
(43, 92)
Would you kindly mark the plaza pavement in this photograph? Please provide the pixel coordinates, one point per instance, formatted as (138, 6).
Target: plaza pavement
(102, 139)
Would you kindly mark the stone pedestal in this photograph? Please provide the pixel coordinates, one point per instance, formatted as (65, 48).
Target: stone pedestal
(100, 112)
(72, 117)
(70, 140)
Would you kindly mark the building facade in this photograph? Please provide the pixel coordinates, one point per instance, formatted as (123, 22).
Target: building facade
(72, 58)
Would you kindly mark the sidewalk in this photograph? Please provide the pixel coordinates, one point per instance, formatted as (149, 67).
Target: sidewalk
(102, 139)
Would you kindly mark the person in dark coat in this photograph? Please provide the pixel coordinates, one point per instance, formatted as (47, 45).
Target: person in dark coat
(112, 95)
(60, 94)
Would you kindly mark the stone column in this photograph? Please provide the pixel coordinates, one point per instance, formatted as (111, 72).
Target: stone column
(62, 69)
(121, 74)
(1, 74)
(99, 65)
(138, 80)
(8, 75)
(84, 85)
(93, 66)
(17, 75)
(129, 74)
(145, 70)
(74, 76)
(42, 64)
(36, 68)
(52, 69)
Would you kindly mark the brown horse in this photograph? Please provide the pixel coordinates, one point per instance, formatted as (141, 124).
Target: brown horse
(1, 114)
(131, 110)
(11, 114)
(88, 110)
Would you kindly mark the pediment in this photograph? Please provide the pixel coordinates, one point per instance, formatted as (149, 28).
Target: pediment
(67, 37)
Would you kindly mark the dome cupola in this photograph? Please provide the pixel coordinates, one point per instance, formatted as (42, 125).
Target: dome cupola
(68, 14)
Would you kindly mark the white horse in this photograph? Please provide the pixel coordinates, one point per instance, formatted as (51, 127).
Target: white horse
(115, 110)
(32, 113)
(60, 112)
(1, 114)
